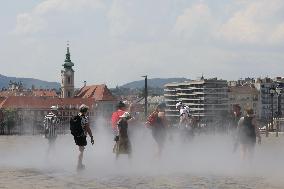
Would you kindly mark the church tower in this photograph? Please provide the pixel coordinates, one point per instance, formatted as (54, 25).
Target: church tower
(67, 77)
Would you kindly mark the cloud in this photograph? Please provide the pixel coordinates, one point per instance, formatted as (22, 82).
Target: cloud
(140, 20)
(256, 22)
(195, 20)
(28, 23)
(119, 20)
(161, 38)
(37, 19)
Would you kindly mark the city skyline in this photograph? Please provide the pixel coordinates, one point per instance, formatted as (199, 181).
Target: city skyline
(228, 39)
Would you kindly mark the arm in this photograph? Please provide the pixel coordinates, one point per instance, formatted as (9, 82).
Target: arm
(116, 131)
(257, 132)
(240, 124)
(44, 123)
(89, 131)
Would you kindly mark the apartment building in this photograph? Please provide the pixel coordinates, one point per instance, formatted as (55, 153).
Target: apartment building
(266, 99)
(206, 98)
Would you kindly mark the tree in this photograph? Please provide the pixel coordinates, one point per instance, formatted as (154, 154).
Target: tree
(10, 116)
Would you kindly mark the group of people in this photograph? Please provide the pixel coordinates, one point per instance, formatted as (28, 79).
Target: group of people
(245, 129)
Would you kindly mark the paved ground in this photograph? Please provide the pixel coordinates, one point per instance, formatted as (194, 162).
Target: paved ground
(207, 162)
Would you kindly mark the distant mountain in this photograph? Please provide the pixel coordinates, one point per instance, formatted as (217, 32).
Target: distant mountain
(155, 82)
(28, 82)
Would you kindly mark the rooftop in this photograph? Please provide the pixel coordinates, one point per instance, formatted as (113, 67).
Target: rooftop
(42, 102)
(97, 92)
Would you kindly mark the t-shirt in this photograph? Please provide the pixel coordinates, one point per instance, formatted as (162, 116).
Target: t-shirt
(115, 117)
(184, 110)
(114, 120)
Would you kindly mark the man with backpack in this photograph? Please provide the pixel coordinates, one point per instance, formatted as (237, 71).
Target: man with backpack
(79, 126)
(51, 125)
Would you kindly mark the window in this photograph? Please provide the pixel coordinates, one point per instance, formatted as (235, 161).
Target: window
(69, 94)
(69, 80)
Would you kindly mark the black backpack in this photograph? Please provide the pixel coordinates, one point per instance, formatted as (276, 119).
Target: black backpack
(75, 126)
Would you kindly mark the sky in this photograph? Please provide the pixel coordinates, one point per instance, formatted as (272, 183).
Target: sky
(118, 41)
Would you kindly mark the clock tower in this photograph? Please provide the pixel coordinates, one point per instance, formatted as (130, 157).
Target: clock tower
(67, 77)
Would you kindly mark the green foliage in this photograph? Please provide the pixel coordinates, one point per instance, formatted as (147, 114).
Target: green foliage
(10, 116)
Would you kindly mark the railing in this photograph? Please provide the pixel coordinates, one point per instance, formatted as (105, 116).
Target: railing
(33, 127)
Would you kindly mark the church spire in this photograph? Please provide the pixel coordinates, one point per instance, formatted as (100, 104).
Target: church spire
(68, 63)
(68, 56)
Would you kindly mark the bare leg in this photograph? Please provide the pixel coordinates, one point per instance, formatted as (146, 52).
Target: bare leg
(160, 149)
(80, 158)
(251, 152)
(51, 145)
(243, 151)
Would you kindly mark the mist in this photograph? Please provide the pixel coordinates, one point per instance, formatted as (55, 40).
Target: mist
(206, 154)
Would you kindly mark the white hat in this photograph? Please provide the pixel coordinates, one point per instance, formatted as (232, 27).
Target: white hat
(126, 115)
(54, 108)
(178, 104)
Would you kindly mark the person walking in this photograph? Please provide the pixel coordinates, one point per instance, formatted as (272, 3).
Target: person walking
(121, 109)
(122, 142)
(247, 132)
(185, 122)
(235, 118)
(157, 122)
(51, 125)
(80, 128)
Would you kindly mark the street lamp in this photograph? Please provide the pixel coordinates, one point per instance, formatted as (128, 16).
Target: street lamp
(145, 96)
(279, 93)
(279, 111)
(272, 91)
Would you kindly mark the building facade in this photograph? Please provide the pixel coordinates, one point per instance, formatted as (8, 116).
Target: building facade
(206, 98)
(245, 96)
(29, 111)
(267, 101)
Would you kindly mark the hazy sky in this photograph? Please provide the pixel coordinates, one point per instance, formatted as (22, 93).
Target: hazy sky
(116, 41)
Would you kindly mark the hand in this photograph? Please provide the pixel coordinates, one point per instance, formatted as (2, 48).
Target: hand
(92, 140)
(116, 138)
(259, 141)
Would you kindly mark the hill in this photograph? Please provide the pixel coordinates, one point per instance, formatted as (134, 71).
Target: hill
(154, 83)
(28, 82)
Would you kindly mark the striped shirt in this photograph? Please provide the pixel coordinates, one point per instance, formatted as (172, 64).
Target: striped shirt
(51, 124)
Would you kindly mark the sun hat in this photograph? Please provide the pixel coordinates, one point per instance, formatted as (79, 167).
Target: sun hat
(54, 108)
(178, 105)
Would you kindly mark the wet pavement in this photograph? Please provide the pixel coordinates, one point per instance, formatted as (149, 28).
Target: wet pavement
(210, 164)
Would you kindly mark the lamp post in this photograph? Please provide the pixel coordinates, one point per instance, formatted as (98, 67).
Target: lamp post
(272, 91)
(146, 97)
(279, 111)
